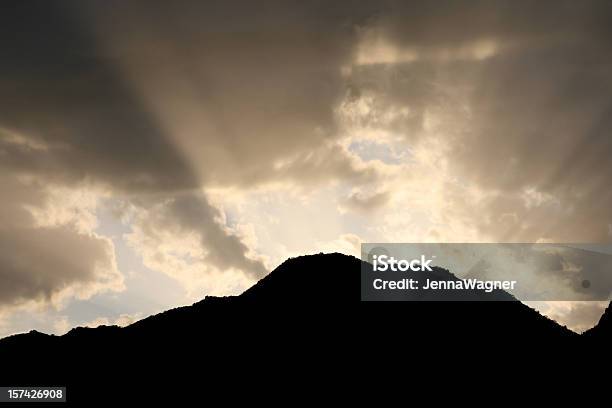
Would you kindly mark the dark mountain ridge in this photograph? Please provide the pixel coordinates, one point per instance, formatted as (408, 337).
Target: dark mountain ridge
(304, 315)
(603, 329)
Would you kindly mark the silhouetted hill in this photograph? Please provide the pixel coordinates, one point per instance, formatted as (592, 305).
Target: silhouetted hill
(603, 329)
(305, 315)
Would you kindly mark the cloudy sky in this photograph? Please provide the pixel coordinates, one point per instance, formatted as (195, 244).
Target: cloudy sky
(152, 153)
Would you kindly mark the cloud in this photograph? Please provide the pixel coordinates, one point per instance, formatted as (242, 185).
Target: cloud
(187, 238)
(49, 263)
(523, 132)
(543, 271)
(61, 325)
(45, 264)
(364, 202)
(452, 24)
(225, 251)
(578, 316)
(142, 106)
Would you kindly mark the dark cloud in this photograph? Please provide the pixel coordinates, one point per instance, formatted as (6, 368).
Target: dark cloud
(452, 23)
(41, 264)
(153, 96)
(59, 92)
(225, 251)
(45, 263)
(540, 121)
(527, 122)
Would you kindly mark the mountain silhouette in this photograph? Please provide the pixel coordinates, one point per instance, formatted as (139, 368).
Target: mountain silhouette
(305, 315)
(602, 331)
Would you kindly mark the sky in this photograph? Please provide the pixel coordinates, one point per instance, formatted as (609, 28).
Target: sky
(153, 153)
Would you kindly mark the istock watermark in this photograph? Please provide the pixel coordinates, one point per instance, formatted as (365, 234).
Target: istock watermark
(489, 272)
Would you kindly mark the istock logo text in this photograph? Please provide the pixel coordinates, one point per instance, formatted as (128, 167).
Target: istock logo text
(384, 262)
